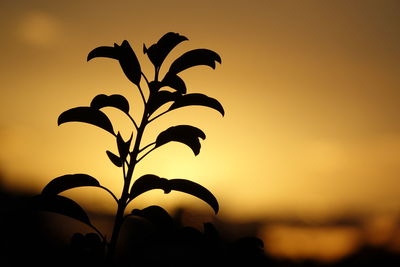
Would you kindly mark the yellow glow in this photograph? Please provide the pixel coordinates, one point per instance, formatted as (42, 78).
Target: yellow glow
(310, 93)
(323, 243)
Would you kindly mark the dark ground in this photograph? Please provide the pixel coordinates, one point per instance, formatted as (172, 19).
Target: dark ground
(30, 238)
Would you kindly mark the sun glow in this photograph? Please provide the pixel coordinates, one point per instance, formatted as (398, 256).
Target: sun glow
(310, 93)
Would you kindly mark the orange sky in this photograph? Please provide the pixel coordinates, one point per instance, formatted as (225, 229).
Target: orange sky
(310, 90)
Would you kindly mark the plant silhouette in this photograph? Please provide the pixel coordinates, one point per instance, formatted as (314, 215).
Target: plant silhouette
(170, 89)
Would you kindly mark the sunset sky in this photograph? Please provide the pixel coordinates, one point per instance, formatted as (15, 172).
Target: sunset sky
(311, 91)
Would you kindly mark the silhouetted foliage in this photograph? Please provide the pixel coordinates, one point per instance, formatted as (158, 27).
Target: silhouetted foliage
(132, 151)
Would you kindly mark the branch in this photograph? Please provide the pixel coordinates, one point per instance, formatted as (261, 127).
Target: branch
(141, 93)
(159, 115)
(141, 150)
(134, 123)
(145, 78)
(111, 193)
(137, 161)
(157, 70)
(98, 231)
(123, 168)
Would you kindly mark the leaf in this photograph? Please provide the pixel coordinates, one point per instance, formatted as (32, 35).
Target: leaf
(103, 51)
(194, 58)
(159, 51)
(88, 115)
(61, 205)
(123, 147)
(126, 57)
(199, 100)
(174, 81)
(196, 190)
(156, 215)
(149, 182)
(69, 181)
(250, 242)
(116, 101)
(185, 134)
(157, 99)
(129, 62)
(114, 159)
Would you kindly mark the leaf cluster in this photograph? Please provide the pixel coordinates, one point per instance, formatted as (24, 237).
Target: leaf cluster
(169, 89)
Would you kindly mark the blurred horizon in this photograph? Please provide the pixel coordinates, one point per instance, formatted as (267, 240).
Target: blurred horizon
(286, 237)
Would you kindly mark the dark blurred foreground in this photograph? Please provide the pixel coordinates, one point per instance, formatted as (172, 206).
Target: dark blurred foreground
(150, 238)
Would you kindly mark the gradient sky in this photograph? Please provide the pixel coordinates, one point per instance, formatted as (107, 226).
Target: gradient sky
(311, 91)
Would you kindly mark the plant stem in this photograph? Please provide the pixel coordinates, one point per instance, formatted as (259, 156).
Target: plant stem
(124, 200)
(133, 121)
(142, 95)
(157, 70)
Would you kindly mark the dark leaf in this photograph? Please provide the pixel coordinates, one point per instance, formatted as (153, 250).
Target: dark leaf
(116, 101)
(174, 81)
(126, 57)
(250, 242)
(211, 233)
(61, 205)
(156, 215)
(69, 181)
(89, 115)
(123, 147)
(159, 51)
(103, 51)
(199, 100)
(114, 159)
(185, 134)
(157, 99)
(194, 58)
(149, 182)
(129, 62)
(196, 190)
